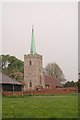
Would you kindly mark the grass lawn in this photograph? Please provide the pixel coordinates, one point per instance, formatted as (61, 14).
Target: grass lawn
(65, 106)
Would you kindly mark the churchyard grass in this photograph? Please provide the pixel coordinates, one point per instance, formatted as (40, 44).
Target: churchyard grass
(61, 106)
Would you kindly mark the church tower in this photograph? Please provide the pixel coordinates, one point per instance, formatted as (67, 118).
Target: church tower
(33, 74)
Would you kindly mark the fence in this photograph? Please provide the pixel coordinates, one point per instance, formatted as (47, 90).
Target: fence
(42, 92)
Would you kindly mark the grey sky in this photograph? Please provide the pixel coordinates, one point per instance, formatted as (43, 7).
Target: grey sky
(56, 32)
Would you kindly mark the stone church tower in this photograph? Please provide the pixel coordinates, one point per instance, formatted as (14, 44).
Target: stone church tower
(33, 74)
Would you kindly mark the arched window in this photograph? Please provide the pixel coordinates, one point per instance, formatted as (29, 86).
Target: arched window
(30, 84)
(30, 62)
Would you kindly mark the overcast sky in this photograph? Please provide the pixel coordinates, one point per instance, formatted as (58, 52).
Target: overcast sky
(56, 32)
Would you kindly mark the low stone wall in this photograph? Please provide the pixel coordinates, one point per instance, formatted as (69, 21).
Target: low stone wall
(44, 91)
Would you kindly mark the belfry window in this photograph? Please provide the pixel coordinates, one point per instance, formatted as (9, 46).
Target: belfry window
(30, 62)
(30, 84)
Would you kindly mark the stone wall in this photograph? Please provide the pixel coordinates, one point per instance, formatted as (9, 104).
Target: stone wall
(32, 70)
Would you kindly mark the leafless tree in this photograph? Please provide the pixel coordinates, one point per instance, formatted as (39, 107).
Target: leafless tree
(53, 69)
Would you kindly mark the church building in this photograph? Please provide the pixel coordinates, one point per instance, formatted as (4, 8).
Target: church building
(34, 77)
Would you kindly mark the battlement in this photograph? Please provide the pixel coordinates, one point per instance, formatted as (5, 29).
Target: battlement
(33, 56)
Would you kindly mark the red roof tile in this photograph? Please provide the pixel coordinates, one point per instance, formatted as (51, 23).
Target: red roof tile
(50, 80)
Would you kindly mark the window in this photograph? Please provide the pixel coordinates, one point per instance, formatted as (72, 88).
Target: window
(30, 84)
(30, 62)
(40, 77)
(40, 80)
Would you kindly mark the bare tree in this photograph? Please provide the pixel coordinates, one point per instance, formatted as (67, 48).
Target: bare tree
(53, 69)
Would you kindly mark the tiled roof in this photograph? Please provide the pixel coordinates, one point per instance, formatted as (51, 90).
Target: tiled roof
(8, 80)
(50, 80)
